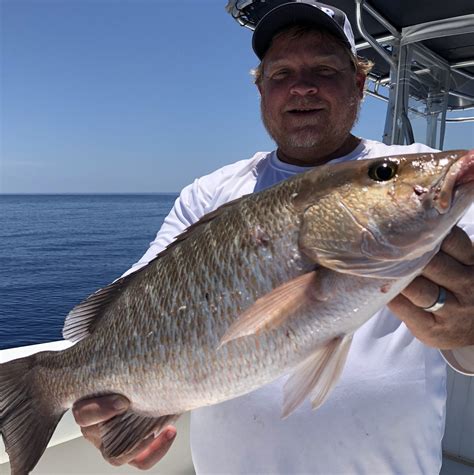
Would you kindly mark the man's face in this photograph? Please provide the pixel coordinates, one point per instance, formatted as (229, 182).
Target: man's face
(310, 94)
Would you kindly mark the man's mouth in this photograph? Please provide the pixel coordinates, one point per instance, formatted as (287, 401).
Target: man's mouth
(302, 111)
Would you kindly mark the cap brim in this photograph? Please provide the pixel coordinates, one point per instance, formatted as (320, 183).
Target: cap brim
(289, 14)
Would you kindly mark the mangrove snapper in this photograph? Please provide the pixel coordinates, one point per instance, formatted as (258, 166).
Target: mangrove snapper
(275, 282)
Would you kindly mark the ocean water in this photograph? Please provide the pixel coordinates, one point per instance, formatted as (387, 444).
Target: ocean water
(55, 250)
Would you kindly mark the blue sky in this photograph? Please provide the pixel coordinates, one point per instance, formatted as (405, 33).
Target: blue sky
(131, 95)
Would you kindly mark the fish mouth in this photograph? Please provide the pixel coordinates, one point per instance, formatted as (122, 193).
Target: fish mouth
(460, 173)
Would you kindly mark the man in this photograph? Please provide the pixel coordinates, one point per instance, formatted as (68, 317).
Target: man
(386, 415)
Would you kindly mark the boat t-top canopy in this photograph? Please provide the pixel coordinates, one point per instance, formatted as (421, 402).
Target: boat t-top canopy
(423, 54)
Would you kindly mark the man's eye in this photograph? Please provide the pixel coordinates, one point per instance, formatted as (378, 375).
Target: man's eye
(280, 74)
(325, 71)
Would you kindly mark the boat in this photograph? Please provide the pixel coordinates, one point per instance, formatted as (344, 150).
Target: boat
(424, 72)
(69, 453)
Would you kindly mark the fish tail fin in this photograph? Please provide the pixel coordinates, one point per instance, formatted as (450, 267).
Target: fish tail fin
(27, 416)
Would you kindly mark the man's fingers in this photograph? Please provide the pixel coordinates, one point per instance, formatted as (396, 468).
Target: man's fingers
(92, 411)
(432, 329)
(453, 269)
(422, 324)
(448, 272)
(146, 454)
(89, 413)
(459, 246)
(422, 292)
(156, 450)
(129, 456)
(415, 318)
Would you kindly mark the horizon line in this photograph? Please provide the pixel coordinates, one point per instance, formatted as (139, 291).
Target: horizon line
(75, 193)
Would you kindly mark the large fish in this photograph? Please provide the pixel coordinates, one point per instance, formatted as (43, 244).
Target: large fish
(275, 282)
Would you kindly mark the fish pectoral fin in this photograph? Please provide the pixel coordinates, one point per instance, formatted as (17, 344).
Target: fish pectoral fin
(317, 375)
(275, 308)
(122, 435)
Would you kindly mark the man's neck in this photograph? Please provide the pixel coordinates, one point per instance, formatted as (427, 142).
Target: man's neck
(310, 158)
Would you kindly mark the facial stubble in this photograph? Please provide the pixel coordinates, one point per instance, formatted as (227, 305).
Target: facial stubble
(325, 135)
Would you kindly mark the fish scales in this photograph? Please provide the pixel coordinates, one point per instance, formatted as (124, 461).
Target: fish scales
(187, 333)
(273, 283)
(191, 333)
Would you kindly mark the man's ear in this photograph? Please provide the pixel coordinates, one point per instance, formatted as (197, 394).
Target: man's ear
(360, 83)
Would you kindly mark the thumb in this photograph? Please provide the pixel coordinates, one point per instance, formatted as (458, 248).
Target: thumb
(92, 411)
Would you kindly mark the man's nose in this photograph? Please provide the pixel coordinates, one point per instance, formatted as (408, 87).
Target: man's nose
(304, 84)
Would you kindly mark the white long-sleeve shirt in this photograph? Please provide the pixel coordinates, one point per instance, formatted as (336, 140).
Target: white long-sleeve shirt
(387, 412)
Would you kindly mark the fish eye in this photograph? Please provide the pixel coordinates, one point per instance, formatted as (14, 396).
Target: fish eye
(384, 171)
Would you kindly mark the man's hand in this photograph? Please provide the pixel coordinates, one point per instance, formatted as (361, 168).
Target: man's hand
(89, 413)
(452, 326)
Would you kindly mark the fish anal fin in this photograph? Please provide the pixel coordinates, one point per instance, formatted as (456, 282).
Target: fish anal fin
(317, 375)
(122, 435)
(273, 309)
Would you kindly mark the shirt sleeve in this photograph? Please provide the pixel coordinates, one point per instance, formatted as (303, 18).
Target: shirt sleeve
(199, 198)
(188, 208)
(460, 359)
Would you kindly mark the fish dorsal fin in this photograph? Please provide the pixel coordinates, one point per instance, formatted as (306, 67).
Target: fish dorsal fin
(123, 435)
(193, 228)
(317, 375)
(82, 320)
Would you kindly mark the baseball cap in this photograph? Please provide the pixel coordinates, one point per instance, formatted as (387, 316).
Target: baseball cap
(304, 12)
